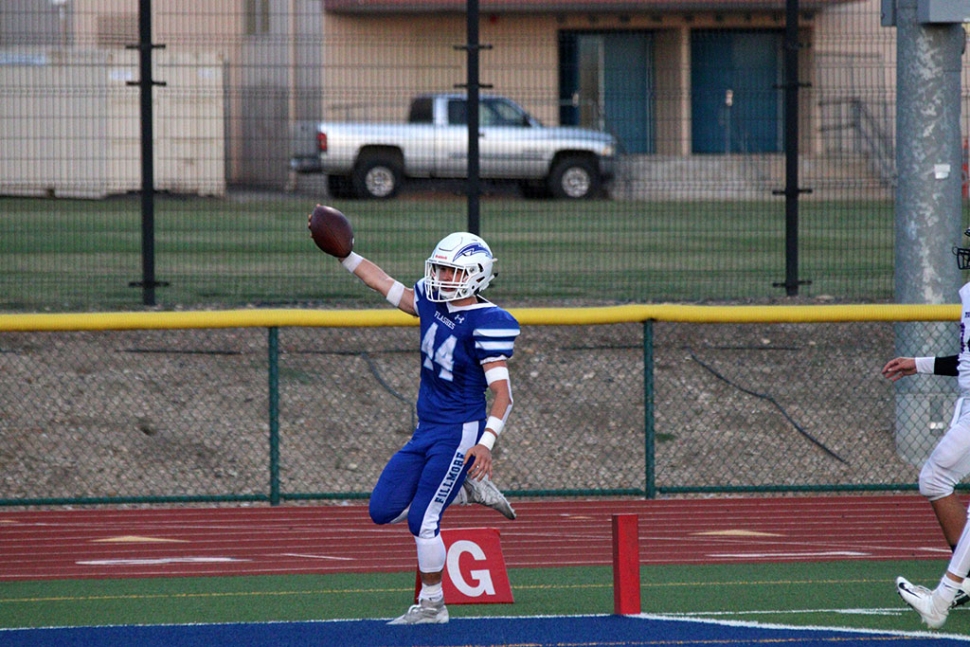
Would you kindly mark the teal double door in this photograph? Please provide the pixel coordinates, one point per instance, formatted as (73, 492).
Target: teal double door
(735, 83)
(607, 81)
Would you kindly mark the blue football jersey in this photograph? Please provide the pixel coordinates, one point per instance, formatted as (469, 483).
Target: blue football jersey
(454, 343)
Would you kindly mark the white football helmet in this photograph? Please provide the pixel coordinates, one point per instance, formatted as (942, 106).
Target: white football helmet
(460, 266)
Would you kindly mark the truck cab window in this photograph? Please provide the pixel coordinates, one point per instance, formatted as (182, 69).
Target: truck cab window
(490, 113)
(501, 113)
(457, 113)
(421, 111)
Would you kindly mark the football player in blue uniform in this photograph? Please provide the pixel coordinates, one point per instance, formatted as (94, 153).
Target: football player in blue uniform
(465, 344)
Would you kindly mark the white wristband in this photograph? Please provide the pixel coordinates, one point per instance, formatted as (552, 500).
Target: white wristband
(395, 293)
(488, 439)
(351, 262)
(925, 365)
(495, 424)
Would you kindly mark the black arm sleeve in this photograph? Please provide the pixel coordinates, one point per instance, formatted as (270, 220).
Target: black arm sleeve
(945, 365)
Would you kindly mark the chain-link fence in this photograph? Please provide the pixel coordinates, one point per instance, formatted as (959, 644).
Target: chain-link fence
(287, 413)
(694, 100)
(693, 210)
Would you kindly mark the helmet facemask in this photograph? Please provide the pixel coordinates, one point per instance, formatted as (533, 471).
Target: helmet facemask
(459, 267)
(963, 254)
(462, 282)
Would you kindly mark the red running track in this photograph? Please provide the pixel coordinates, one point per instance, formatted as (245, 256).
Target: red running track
(99, 543)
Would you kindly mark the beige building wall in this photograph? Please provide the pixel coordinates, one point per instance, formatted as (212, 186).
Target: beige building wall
(672, 49)
(373, 65)
(855, 68)
(213, 24)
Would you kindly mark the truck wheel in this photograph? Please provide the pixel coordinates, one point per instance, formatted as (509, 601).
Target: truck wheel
(574, 178)
(378, 177)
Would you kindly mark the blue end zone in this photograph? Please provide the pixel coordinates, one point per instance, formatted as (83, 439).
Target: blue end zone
(576, 631)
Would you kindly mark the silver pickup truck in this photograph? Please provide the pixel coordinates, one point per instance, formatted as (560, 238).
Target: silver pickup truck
(373, 160)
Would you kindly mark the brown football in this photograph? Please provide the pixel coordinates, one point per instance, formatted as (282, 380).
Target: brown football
(331, 231)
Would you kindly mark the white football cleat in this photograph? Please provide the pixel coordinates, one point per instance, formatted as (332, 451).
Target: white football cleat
(485, 493)
(425, 612)
(922, 601)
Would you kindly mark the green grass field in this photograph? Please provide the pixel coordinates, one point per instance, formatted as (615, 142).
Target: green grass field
(76, 254)
(845, 594)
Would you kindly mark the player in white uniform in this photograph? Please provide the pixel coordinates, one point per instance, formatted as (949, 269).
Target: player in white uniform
(947, 465)
(465, 344)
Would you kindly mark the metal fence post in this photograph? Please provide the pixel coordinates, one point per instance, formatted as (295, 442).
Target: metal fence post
(274, 416)
(650, 485)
